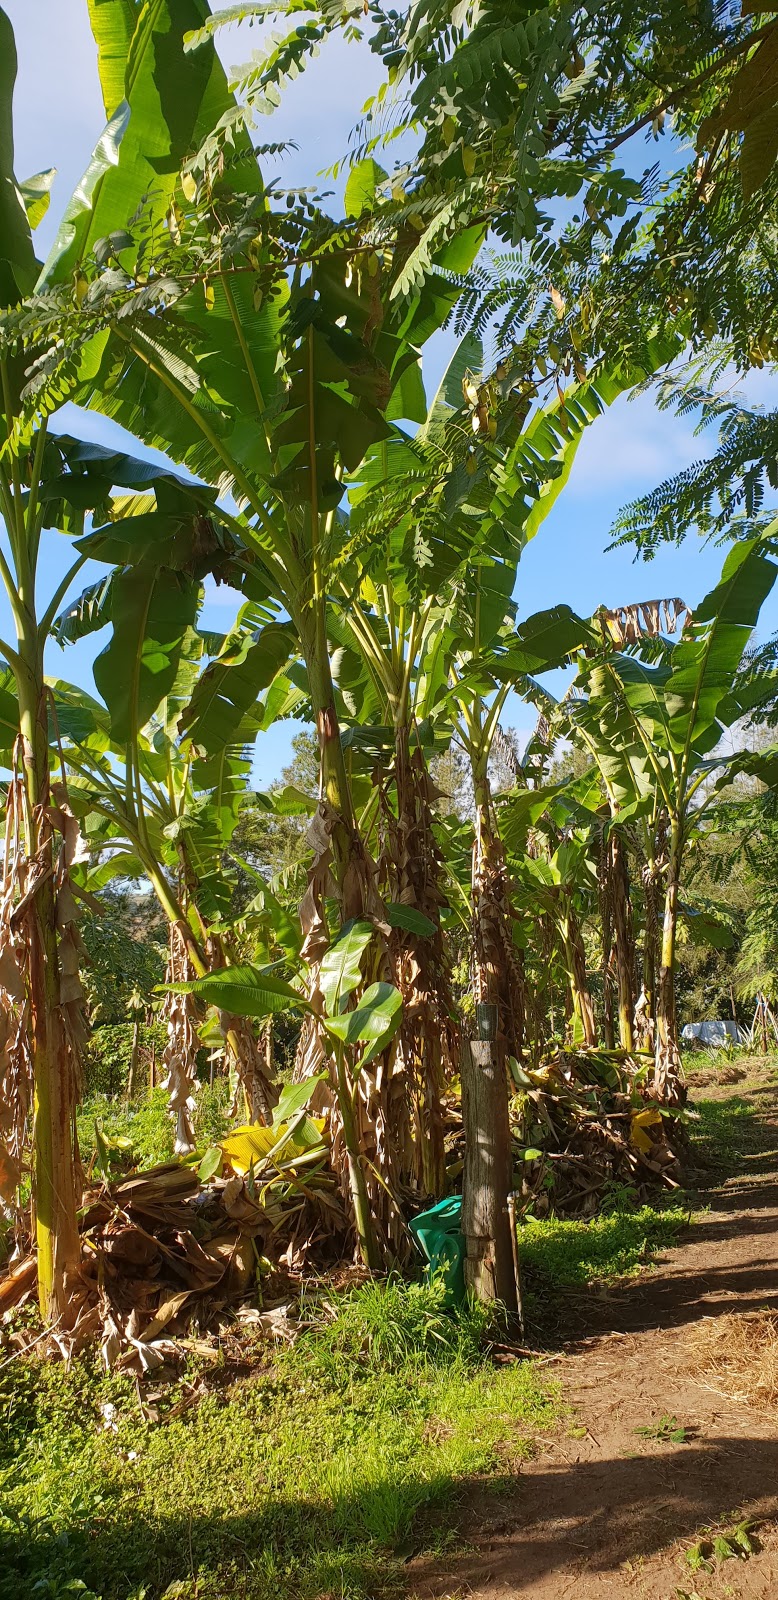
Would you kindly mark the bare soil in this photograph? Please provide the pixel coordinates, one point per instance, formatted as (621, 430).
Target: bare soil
(612, 1512)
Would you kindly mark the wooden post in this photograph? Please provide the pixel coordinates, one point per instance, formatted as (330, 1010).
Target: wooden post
(487, 1177)
(134, 1057)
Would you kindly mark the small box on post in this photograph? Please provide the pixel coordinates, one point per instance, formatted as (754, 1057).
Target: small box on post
(486, 1022)
(487, 1179)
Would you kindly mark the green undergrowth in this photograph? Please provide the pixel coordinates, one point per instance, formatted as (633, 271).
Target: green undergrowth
(318, 1472)
(308, 1472)
(726, 1133)
(147, 1124)
(570, 1254)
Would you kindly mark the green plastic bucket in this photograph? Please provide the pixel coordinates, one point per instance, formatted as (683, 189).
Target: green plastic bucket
(438, 1234)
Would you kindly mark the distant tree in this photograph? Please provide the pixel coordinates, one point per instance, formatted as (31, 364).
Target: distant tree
(272, 843)
(126, 951)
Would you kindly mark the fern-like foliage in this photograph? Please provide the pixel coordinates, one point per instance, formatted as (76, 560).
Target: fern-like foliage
(726, 494)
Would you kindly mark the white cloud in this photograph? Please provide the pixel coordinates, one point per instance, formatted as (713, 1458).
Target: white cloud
(632, 447)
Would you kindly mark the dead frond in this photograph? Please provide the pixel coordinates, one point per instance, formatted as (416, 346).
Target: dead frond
(648, 619)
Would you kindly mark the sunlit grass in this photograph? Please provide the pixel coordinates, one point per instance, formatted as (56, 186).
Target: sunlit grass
(319, 1469)
(572, 1254)
(147, 1123)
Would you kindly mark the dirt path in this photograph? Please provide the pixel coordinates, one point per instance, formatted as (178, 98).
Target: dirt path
(612, 1513)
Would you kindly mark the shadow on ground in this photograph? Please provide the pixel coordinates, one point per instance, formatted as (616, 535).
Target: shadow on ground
(598, 1513)
(595, 1516)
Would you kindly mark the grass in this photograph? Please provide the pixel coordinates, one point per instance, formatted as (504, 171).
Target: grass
(726, 1132)
(310, 1472)
(317, 1474)
(569, 1255)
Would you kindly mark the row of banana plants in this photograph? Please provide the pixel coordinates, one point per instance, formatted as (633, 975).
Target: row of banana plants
(273, 354)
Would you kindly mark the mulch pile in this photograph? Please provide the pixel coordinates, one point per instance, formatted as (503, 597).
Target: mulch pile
(162, 1250)
(591, 1119)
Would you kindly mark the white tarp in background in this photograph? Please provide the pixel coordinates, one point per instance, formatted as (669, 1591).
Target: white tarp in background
(714, 1034)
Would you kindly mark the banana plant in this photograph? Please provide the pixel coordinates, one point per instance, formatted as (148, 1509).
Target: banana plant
(259, 347)
(660, 714)
(45, 1067)
(636, 815)
(445, 517)
(428, 566)
(547, 831)
(513, 496)
(360, 1021)
(35, 467)
(392, 666)
(152, 806)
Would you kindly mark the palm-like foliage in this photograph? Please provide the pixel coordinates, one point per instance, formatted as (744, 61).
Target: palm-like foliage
(657, 721)
(50, 481)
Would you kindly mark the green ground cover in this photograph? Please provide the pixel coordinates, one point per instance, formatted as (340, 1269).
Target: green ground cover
(568, 1255)
(726, 1132)
(302, 1472)
(318, 1472)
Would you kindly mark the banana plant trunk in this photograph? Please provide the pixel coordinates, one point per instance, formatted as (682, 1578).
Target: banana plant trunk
(645, 1007)
(668, 1075)
(605, 885)
(340, 859)
(208, 956)
(426, 1046)
(623, 939)
(56, 1186)
(582, 1005)
(350, 869)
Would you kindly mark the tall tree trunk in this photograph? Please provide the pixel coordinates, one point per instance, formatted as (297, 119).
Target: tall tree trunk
(487, 1178)
(496, 973)
(56, 1187)
(623, 939)
(668, 1077)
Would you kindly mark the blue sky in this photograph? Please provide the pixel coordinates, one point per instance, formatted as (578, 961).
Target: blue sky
(58, 119)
